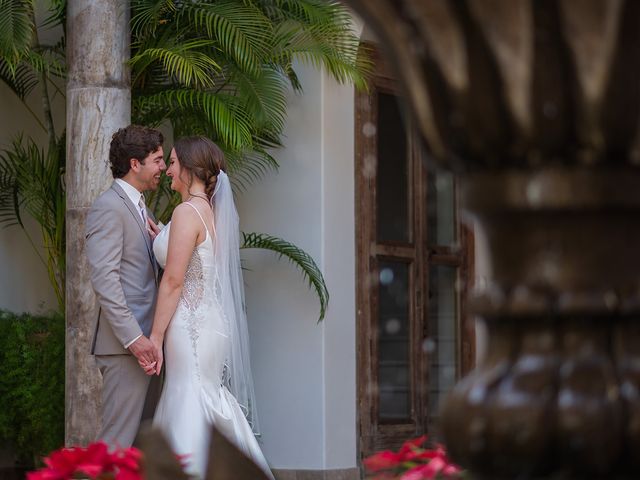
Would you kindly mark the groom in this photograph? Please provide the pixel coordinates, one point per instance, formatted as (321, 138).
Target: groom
(124, 278)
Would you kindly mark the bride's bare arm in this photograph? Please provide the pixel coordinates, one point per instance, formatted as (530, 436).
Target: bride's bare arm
(183, 238)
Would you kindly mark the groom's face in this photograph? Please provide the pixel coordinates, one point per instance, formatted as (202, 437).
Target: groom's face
(150, 170)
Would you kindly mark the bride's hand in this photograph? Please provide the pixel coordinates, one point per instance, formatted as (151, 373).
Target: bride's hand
(157, 342)
(149, 368)
(153, 229)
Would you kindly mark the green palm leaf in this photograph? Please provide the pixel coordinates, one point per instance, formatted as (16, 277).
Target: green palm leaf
(337, 49)
(223, 112)
(185, 62)
(249, 166)
(264, 96)
(16, 30)
(148, 15)
(32, 181)
(20, 79)
(240, 30)
(295, 255)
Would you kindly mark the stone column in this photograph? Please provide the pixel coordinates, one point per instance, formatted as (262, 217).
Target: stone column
(98, 103)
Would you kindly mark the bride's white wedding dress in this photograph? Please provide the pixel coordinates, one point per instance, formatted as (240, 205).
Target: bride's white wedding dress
(197, 348)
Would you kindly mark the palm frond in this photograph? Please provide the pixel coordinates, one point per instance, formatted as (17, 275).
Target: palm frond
(264, 96)
(32, 180)
(148, 15)
(16, 30)
(9, 199)
(249, 166)
(57, 14)
(21, 79)
(240, 30)
(183, 61)
(335, 48)
(298, 257)
(223, 112)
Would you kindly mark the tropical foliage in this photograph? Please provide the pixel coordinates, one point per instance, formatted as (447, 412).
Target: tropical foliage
(32, 178)
(31, 384)
(220, 68)
(223, 68)
(298, 257)
(32, 182)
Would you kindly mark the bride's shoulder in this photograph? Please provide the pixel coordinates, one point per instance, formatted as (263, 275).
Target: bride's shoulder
(183, 213)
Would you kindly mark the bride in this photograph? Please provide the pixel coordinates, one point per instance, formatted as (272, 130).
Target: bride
(200, 316)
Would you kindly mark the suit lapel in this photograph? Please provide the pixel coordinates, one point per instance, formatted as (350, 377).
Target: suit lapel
(133, 209)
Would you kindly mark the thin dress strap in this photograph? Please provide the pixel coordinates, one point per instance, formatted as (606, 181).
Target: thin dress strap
(202, 219)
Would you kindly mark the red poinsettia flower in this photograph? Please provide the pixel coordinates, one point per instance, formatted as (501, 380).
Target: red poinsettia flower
(382, 461)
(412, 462)
(61, 464)
(94, 461)
(127, 458)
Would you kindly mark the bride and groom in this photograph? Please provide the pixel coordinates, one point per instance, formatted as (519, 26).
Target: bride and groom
(193, 319)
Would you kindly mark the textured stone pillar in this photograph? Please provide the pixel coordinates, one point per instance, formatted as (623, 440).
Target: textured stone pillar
(98, 103)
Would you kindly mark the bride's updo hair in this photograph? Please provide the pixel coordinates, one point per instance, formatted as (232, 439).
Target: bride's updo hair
(201, 158)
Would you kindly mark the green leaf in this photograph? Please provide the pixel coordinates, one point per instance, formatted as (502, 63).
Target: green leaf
(20, 79)
(242, 33)
(190, 66)
(32, 181)
(148, 15)
(298, 257)
(16, 30)
(223, 112)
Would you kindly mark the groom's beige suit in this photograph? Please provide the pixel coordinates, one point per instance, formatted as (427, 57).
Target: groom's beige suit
(124, 277)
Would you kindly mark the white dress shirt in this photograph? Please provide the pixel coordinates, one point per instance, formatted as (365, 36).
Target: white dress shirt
(132, 192)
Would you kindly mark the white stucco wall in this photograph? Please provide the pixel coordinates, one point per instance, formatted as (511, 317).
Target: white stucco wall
(304, 371)
(24, 284)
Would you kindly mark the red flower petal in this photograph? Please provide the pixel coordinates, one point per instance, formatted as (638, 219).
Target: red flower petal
(382, 461)
(414, 443)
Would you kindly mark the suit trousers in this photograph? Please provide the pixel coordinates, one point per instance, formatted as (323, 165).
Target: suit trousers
(124, 395)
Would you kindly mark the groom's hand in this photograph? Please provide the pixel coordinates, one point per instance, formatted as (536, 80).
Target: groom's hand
(144, 351)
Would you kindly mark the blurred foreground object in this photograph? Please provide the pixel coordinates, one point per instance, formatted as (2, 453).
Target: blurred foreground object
(536, 104)
(156, 461)
(226, 461)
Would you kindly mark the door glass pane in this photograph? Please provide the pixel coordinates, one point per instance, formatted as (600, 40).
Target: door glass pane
(393, 341)
(392, 175)
(441, 208)
(442, 334)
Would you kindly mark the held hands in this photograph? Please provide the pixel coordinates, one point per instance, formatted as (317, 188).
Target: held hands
(146, 353)
(154, 367)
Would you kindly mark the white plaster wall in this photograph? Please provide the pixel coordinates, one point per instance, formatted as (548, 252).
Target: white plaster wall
(286, 341)
(24, 284)
(339, 270)
(305, 371)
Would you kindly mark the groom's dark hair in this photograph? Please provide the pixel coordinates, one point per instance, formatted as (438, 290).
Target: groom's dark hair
(134, 141)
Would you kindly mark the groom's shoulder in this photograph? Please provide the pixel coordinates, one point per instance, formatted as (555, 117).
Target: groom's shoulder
(107, 198)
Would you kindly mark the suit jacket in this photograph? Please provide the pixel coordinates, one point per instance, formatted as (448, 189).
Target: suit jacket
(123, 271)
